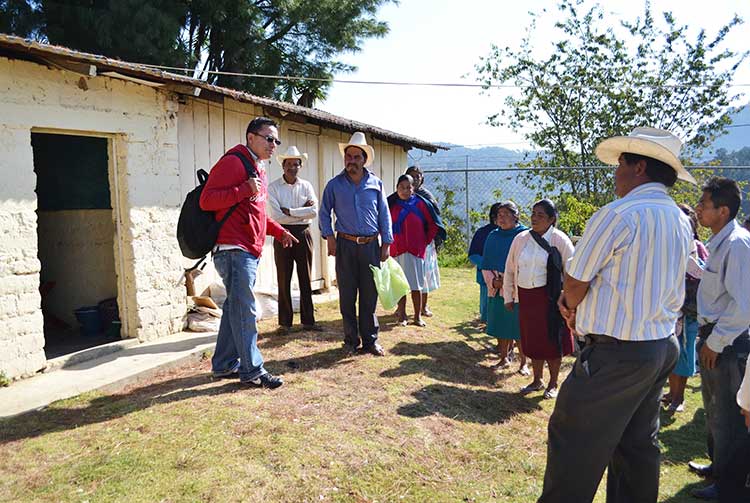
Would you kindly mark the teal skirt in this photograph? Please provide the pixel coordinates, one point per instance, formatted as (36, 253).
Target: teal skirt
(502, 324)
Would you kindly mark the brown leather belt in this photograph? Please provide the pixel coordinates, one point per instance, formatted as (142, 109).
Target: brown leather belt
(360, 240)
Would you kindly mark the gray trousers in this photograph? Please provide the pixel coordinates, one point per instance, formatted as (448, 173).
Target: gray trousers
(724, 422)
(354, 279)
(607, 416)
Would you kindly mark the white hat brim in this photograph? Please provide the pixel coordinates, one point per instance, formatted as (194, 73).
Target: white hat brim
(609, 150)
(282, 158)
(367, 148)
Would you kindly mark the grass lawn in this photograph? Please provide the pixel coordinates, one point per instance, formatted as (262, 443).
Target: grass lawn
(432, 421)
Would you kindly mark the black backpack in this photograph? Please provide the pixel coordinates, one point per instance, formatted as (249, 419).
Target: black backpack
(197, 229)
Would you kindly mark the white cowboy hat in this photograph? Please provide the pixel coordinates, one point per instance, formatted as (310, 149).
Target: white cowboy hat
(291, 153)
(358, 140)
(656, 143)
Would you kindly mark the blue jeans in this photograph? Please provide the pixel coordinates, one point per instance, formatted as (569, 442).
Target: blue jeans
(238, 333)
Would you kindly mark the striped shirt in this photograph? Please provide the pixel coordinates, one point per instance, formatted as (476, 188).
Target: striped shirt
(634, 254)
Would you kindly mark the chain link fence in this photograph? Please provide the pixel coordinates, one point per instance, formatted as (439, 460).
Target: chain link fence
(465, 195)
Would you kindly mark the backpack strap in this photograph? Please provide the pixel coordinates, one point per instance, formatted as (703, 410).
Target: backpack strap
(250, 169)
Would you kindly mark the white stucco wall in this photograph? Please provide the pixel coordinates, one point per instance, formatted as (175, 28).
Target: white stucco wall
(145, 180)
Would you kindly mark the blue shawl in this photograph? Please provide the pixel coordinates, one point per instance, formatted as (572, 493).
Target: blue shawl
(407, 207)
(497, 246)
(480, 236)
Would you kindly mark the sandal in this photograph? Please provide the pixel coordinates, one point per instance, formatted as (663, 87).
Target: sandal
(401, 323)
(427, 312)
(550, 393)
(420, 323)
(676, 407)
(504, 364)
(524, 371)
(532, 388)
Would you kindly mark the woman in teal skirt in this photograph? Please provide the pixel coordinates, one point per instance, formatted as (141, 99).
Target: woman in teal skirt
(502, 324)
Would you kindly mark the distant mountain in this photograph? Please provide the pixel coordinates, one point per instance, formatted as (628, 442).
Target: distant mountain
(738, 134)
(460, 157)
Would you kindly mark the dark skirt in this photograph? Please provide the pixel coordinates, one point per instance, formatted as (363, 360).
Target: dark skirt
(535, 341)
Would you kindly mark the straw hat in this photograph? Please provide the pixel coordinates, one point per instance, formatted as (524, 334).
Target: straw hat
(651, 142)
(358, 140)
(291, 153)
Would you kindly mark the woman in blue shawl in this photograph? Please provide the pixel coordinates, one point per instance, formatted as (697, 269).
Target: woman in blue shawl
(502, 324)
(476, 248)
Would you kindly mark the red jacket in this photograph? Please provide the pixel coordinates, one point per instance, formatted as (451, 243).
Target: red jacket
(226, 186)
(413, 237)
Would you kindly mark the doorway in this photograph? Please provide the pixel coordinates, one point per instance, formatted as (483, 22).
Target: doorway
(76, 242)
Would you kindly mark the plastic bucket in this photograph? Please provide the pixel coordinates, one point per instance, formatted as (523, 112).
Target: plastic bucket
(90, 320)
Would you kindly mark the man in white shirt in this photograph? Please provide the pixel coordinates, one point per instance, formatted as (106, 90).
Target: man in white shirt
(623, 291)
(293, 204)
(723, 315)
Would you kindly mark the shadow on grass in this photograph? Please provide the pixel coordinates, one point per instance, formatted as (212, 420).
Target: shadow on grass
(686, 442)
(105, 408)
(473, 331)
(329, 358)
(332, 332)
(451, 361)
(684, 496)
(468, 405)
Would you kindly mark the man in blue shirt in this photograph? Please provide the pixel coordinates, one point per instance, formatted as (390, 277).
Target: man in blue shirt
(357, 198)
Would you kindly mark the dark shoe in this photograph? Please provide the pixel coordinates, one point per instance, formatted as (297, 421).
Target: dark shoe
(349, 349)
(227, 374)
(700, 469)
(283, 330)
(264, 381)
(374, 349)
(313, 328)
(707, 493)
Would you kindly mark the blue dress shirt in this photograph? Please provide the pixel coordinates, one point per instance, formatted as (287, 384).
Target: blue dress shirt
(361, 210)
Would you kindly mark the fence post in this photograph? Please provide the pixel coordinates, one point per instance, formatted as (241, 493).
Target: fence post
(466, 185)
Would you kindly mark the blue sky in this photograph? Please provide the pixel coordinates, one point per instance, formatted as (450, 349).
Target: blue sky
(442, 40)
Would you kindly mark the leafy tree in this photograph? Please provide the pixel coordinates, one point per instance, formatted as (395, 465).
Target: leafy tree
(739, 157)
(603, 81)
(265, 37)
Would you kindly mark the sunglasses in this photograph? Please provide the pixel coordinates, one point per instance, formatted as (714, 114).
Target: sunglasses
(269, 138)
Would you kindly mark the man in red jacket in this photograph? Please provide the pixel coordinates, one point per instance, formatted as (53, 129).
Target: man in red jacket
(238, 250)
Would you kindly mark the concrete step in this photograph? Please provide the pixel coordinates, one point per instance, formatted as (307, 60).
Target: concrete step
(107, 368)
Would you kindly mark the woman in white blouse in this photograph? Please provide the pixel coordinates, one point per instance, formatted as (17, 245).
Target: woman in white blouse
(533, 280)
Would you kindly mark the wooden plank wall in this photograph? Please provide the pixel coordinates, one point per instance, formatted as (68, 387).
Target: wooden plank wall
(206, 129)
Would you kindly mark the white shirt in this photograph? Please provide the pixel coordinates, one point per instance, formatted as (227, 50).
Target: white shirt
(293, 197)
(743, 395)
(514, 268)
(634, 254)
(532, 263)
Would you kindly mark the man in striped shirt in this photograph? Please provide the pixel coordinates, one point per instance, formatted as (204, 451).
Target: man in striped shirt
(623, 290)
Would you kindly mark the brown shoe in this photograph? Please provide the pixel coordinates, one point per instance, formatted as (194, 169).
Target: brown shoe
(374, 349)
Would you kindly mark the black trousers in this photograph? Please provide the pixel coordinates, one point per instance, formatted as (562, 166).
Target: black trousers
(734, 485)
(354, 279)
(724, 422)
(300, 254)
(607, 416)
